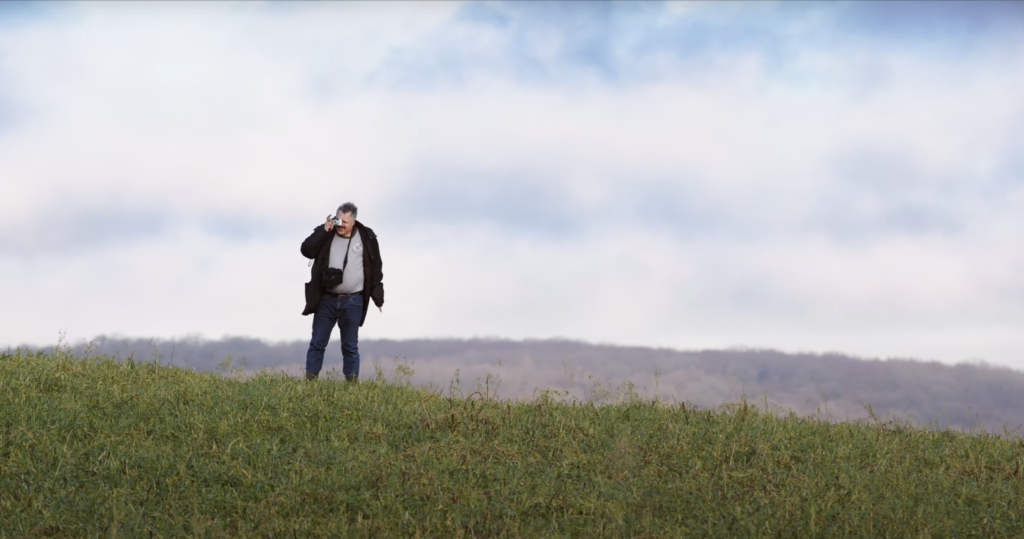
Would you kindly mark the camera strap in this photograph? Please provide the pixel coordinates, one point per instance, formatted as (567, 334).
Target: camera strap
(347, 247)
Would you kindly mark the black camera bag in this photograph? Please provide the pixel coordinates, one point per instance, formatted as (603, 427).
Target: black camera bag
(332, 277)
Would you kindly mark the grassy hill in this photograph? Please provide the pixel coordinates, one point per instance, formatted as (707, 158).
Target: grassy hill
(963, 396)
(92, 447)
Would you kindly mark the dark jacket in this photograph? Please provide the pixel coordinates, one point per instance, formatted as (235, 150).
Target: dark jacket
(318, 247)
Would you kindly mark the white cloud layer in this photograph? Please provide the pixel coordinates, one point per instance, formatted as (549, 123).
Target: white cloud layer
(812, 189)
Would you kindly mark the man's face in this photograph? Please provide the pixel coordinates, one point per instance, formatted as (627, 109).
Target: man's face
(347, 221)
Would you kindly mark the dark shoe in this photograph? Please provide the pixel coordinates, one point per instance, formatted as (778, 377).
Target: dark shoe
(312, 375)
(352, 378)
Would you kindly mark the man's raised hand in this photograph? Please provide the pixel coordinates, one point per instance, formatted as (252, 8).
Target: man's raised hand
(329, 225)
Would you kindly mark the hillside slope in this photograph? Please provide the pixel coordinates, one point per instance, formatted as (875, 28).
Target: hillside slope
(91, 447)
(827, 385)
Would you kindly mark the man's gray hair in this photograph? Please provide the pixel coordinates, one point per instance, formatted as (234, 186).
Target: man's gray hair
(349, 207)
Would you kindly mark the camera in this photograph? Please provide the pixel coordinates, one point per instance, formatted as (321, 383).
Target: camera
(336, 220)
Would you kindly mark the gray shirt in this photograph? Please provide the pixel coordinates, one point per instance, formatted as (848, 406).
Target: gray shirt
(352, 281)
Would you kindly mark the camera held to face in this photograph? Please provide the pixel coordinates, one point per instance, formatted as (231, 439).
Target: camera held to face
(336, 220)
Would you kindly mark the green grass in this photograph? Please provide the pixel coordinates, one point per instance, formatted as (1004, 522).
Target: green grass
(98, 447)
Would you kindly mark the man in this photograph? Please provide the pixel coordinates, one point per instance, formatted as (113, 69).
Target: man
(352, 250)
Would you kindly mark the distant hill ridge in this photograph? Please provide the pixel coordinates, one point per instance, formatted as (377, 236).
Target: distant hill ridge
(959, 396)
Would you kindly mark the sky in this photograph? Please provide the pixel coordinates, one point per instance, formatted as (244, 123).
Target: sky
(806, 177)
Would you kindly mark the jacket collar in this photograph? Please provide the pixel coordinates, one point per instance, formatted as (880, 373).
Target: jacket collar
(364, 231)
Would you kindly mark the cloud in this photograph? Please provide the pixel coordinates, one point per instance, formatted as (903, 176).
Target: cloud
(933, 21)
(687, 175)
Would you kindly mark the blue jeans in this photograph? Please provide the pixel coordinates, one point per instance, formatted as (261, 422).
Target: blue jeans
(346, 311)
